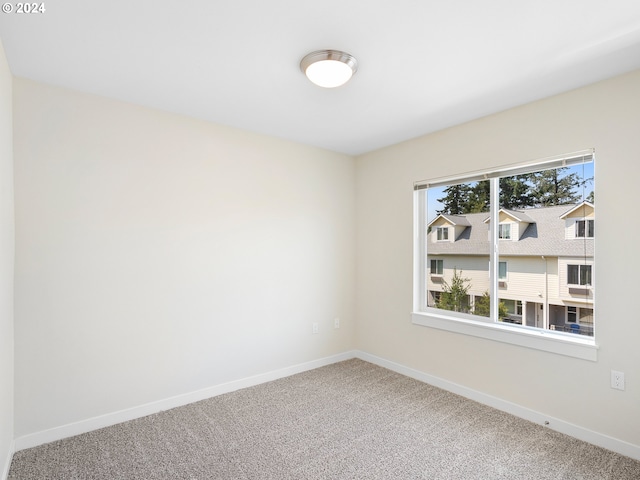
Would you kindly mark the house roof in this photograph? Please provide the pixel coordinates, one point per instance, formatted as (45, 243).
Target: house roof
(545, 235)
(455, 220)
(576, 207)
(516, 215)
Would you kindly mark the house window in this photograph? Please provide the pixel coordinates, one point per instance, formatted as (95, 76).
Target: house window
(502, 271)
(442, 233)
(584, 228)
(437, 267)
(583, 316)
(514, 307)
(435, 298)
(511, 310)
(586, 316)
(540, 198)
(579, 275)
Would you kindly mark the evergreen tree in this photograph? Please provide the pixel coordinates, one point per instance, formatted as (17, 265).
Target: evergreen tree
(482, 307)
(515, 192)
(591, 198)
(454, 296)
(550, 187)
(455, 200)
(582, 184)
(479, 197)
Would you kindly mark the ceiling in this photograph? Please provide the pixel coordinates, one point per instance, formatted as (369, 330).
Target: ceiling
(424, 65)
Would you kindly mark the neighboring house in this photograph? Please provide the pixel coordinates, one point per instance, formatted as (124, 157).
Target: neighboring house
(545, 275)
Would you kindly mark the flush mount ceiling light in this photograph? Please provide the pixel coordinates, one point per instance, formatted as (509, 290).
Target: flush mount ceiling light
(329, 68)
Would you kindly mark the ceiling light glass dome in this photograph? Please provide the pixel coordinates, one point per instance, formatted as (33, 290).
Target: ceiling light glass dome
(329, 68)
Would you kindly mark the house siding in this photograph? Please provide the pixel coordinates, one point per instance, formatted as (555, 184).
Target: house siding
(537, 256)
(574, 294)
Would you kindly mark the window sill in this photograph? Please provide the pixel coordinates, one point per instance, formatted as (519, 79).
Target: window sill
(545, 340)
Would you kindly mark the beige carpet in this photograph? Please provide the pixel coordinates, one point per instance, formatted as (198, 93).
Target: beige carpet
(351, 420)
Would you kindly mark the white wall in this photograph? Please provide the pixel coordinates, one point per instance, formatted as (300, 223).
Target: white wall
(157, 255)
(6, 265)
(605, 116)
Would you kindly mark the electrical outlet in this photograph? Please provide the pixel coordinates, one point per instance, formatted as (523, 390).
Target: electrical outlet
(336, 323)
(617, 380)
(315, 327)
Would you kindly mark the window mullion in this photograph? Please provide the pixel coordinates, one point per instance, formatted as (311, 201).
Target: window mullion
(494, 193)
(420, 254)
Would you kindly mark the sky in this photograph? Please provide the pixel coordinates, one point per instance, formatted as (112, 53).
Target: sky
(583, 171)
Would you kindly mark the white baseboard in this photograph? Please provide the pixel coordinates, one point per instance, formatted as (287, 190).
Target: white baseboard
(7, 464)
(595, 438)
(84, 426)
(69, 430)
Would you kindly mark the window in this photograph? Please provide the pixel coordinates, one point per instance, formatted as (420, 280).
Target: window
(579, 275)
(443, 233)
(504, 231)
(512, 311)
(536, 202)
(586, 316)
(434, 298)
(502, 271)
(437, 267)
(514, 307)
(584, 228)
(583, 316)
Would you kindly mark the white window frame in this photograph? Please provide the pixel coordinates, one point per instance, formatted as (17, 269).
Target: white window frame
(442, 234)
(437, 273)
(580, 267)
(504, 231)
(579, 313)
(577, 346)
(506, 270)
(586, 222)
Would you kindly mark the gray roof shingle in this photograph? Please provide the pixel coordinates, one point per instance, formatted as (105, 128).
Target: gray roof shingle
(545, 235)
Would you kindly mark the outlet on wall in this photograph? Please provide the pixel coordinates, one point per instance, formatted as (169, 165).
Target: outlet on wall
(617, 380)
(336, 322)
(315, 327)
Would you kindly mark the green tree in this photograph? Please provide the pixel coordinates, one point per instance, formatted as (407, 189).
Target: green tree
(515, 192)
(483, 307)
(479, 197)
(455, 200)
(550, 187)
(591, 198)
(454, 295)
(538, 189)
